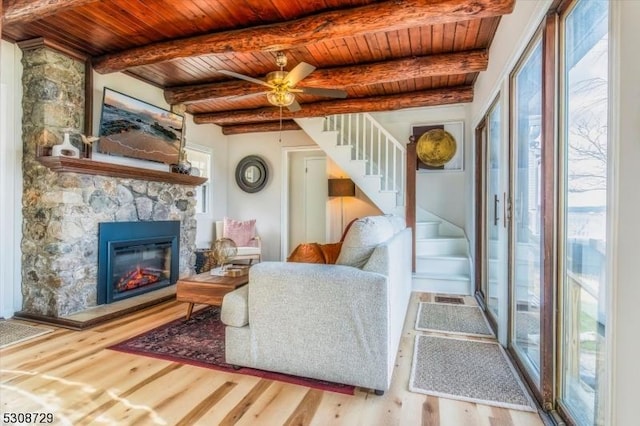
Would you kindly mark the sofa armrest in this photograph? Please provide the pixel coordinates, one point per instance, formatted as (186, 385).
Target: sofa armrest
(235, 308)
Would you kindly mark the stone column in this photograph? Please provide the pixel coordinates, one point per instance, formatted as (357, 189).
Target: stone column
(53, 103)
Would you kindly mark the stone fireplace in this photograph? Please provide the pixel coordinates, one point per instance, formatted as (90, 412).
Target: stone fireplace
(62, 210)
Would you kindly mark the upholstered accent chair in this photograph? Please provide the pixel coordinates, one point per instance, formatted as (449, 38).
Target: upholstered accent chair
(244, 234)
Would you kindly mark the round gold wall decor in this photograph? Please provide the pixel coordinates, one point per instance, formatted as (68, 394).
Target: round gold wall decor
(436, 147)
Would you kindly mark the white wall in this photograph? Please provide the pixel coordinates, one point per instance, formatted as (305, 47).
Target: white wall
(353, 207)
(625, 128)
(207, 135)
(10, 178)
(264, 206)
(442, 193)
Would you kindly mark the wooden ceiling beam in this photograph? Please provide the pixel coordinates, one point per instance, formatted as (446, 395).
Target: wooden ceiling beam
(267, 126)
(446, 96)
(378, 17)
(24, 11)
(344, 77)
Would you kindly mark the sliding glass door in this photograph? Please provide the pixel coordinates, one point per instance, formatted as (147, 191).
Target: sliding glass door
(496, 238)
(584, 209)
(548, 288)
(526, 230)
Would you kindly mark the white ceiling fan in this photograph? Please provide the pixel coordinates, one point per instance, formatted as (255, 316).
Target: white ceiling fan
(282, 84)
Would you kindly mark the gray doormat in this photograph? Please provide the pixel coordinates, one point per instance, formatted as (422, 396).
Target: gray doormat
(13, 332)
(454, 319)
(467, 370)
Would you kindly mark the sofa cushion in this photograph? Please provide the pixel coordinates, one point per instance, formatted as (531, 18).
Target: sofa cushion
(241, 232)
(363, 237)
(235, 307)
(307, 253)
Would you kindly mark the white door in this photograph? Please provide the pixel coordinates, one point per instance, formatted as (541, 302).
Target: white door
(315, 199)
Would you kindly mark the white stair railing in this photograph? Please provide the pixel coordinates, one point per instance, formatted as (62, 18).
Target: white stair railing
(384, 155)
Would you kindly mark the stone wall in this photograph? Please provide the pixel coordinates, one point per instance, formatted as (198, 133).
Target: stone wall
(61, 211)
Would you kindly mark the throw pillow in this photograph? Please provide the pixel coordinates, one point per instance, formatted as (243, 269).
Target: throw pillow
(363, 237)
(307, 253)
(331, 252)
(344, 233)
(241, 232)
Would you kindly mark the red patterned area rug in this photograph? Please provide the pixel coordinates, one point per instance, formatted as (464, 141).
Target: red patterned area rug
(200, 342)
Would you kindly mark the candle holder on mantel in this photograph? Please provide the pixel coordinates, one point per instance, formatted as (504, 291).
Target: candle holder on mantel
(183, 166)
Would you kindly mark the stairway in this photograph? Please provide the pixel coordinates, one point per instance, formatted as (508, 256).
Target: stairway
(370, 155)
(375, 161)
(443, 264)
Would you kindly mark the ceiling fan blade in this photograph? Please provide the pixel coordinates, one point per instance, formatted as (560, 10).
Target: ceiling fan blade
(317, 91)
(299, 72)
(295, 106)
(245, 77)
(247, 96)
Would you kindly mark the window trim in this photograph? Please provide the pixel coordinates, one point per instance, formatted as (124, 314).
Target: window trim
(206, 187)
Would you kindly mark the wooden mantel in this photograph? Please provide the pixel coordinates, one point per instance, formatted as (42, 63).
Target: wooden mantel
(90, 167)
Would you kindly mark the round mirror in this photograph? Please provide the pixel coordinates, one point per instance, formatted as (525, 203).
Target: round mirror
(252, 173)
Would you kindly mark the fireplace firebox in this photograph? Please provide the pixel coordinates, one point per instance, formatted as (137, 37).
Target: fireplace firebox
(136, 257)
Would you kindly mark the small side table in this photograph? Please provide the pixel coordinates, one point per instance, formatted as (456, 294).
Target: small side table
(207, 289)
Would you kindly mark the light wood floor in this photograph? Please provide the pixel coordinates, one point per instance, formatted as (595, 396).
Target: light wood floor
(72, 375)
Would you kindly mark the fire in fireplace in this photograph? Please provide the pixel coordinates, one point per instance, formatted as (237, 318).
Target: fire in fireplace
(136, 257)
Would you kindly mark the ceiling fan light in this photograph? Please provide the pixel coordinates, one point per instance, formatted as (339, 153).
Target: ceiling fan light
(276, 77)
(280, 98)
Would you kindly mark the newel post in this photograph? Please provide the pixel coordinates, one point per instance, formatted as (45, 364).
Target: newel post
(410, 202)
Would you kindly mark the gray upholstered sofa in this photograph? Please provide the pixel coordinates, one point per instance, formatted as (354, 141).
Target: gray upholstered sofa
(339, 323)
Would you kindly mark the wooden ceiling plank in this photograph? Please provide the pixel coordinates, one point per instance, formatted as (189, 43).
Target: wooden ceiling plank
(393, 41)
(289, 9)
(487, 30)
(437, 39)
(415, 41)
(264, 11)
(354, 49)
(448, 37)
(383, 44)
(344, 52)
(460, 35)
(374, 48)
(404, 43)
(25, 11)
(447, 96)
(366, 74)
(426, 40)
(471, 37)
(126, 23)
(385, 16)
(363, 45)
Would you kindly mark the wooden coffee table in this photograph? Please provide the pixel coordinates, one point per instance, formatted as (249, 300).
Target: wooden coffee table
(206, 288)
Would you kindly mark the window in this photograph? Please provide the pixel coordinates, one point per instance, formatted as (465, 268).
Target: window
(200, 158)
(584, 209)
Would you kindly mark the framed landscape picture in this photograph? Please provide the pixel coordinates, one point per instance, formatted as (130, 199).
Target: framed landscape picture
(132, 128)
